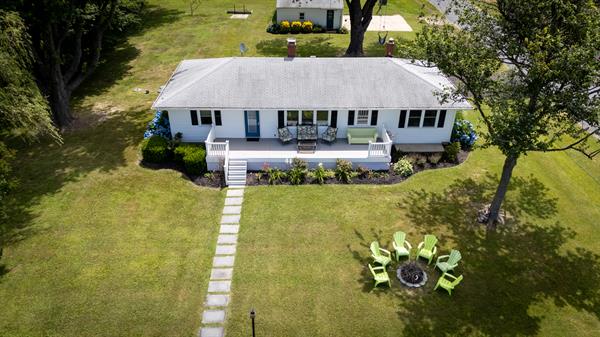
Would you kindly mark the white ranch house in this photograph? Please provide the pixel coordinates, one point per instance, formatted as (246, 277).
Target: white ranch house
(325, 13)
(241, 106)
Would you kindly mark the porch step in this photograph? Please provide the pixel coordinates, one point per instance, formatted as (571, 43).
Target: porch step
(236, 174)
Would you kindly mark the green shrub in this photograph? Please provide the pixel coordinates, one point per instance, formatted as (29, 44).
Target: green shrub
(276, 176)
(155, 149)
(180, 152)
(451, 152)
(194, 161)
(319, 174)
(343, 171)
(298, 172)
(418, 159)
(364, 172)
(295, 27)
(299, 164)
(297, 176)
(318, 29)
(343, 30)
(434, 158)
(307, 27)
(284, 27)
(403, 167)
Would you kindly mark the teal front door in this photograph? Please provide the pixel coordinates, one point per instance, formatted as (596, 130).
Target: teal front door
(252, 123)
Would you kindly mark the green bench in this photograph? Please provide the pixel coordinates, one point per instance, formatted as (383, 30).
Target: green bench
(361, 135)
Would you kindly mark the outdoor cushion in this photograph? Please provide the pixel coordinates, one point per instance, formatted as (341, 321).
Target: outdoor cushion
(329, 134)
(361, 135)
(284, 134)
(307, 132)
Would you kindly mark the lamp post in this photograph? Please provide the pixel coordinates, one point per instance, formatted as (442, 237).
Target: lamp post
(252, 316)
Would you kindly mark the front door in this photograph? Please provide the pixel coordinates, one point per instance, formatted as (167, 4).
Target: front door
(329, 19)
(252, 124)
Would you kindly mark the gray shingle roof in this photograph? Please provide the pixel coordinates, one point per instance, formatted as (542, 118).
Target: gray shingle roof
(326, 4)
(304, 83)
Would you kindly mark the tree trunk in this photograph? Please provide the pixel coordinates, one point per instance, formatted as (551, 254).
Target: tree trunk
(360, 18)
(59, 95)
(509, 164)
(357, 36)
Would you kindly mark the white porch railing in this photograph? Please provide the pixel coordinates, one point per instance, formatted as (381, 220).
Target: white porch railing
(381, 149)
(218, 150)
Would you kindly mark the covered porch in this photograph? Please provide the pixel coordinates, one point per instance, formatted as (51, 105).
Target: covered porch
(271, 151)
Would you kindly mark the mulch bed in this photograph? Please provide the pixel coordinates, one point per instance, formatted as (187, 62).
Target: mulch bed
(378, 177)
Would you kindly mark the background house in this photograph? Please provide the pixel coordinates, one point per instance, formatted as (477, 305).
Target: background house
(325, 13)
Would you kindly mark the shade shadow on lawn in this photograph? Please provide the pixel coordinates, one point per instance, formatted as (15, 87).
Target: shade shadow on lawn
(318, 46)
(45, 167)
(505, 273)
(116, 58)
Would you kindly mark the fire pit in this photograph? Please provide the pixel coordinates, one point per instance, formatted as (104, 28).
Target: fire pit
(412, 275)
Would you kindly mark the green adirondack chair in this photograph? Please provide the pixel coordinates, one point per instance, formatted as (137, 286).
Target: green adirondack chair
(450, 263)
(380, 276)
(427, 248)
(401, 246)
(381, 256)
(448, 282)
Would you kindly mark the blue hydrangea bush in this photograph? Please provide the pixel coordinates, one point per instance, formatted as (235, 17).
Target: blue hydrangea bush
(464, 133)
(159, 126)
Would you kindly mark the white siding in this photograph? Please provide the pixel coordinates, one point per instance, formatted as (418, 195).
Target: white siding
(180, 121)
(233, 126)
(420, 135)
(316, 15)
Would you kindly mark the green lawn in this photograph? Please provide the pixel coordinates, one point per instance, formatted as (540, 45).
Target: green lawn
(99, 246)
(303, 252)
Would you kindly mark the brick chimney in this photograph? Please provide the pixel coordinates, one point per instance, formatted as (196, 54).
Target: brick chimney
(291, 46)
(389, 47)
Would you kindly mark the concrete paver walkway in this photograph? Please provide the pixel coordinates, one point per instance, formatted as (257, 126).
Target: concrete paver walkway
(219, 286)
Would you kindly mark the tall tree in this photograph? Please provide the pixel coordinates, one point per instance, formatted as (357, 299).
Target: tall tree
(527, 67)
(24, 111)
(360, 18)
(67, 38)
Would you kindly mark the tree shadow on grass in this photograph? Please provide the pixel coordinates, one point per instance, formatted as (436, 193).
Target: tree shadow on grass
(118, 53)
(44, 168)
(506, 273)
(318, 46)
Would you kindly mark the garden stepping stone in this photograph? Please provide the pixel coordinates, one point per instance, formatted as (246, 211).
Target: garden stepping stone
(225, 250)
(235, 193)
(232, 209)
(234, 219)
(221, 273)
(212, 332)
(223, 261)
(217, 300)
(227, 239)
(213, 316)
(219, 286)
(235, 201)
(230, 229)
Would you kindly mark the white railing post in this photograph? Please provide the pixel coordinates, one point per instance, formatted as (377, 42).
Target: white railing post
(226, 163)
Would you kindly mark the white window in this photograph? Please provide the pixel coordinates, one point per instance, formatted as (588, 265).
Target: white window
(429, 118)
(362, 118)
(301, 16)
(205, 117)
(322, 117)
(308, 117)
(292, 118)
(414, 118)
